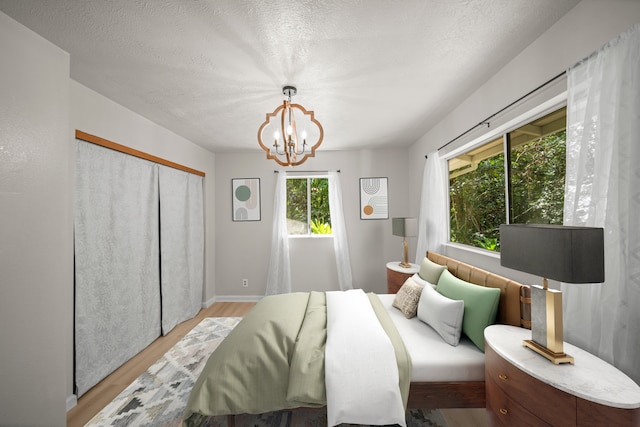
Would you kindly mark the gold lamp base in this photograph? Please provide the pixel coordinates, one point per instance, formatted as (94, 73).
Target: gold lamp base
(546, 324)
(556, 358)
(405, 250)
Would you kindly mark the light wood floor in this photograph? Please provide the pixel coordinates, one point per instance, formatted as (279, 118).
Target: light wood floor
(105, 391)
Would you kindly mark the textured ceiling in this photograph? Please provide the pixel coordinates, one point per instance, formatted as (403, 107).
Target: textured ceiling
(376, 72)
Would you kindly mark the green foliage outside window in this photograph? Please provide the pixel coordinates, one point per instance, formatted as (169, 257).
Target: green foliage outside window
(478, 196)
(318, 227)
(537, 180)
(478, 204)
(308, 206)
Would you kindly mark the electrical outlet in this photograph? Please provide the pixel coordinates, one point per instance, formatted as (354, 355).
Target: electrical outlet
(245, 283)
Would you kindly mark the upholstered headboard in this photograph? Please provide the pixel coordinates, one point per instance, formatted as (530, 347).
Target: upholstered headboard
(515, 298)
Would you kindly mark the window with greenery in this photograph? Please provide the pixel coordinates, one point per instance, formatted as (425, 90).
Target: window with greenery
(308, 206)
(516, 178)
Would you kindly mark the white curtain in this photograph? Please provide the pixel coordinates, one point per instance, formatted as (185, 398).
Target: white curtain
(339, 230)
(181, 245)
(279, 278)
(603, 190)
(117, 308)
(433, 221)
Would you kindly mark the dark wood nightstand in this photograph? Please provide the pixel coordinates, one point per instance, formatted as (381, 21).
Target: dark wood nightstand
(523, 388)
(396, 275)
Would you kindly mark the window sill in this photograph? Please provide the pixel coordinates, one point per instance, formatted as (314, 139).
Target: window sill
(473, 249)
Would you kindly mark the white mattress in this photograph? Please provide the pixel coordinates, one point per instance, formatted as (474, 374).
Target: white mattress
(433, 359)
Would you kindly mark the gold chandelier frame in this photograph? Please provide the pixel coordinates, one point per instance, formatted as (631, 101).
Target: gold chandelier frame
(291, 147)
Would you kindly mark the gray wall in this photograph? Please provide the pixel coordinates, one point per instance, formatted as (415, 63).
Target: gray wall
(242, 248)
(36, 252)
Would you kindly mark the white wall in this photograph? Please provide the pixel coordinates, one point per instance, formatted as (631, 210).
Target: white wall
(242, 248)
(589, 25)
(94, 114)
(36, 249)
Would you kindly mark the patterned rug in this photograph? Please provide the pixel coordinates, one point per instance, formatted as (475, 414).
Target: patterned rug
(158, 396)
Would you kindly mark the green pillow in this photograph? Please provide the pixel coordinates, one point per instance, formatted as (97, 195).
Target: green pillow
(430, 271)
(480, 305)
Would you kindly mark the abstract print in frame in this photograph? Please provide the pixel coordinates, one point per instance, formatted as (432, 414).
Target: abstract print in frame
(246, 199)
(374, 201)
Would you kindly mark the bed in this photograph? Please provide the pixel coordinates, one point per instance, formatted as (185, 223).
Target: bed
(289, 380)
(514, 309)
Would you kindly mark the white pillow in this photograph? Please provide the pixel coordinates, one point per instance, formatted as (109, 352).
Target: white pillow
(420, 281)
(442, 314)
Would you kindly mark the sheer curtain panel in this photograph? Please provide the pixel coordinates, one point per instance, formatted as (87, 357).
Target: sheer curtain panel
(279, 278)
(117, 310)
(340, 241)
(181, 245)
(603, 190)
(433, 219)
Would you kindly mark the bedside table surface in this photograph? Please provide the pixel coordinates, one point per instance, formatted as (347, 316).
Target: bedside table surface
(395, 266)
(590, 378)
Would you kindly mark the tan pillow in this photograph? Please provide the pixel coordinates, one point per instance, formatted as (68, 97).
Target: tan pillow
(407, 298)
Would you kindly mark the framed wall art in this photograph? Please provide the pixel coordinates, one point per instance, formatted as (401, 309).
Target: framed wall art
(374, 200)
(245, 195)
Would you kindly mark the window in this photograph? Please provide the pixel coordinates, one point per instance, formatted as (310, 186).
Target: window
(516, 178)
(308, 206)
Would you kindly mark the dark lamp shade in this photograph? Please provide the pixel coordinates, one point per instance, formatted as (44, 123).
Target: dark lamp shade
(563, 253)
(404, 227)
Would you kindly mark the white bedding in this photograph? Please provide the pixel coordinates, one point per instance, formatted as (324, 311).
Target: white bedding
(433, 359)
(361, 373)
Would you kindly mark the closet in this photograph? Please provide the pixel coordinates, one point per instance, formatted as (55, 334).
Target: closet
(139, 253)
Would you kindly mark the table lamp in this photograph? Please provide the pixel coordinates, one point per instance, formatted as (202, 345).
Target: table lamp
(564, 253)
(404, 227)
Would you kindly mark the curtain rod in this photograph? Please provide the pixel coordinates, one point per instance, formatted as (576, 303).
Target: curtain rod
(486, 121)
(276, 171)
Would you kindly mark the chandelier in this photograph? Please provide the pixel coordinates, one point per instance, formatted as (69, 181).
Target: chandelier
(281, 127)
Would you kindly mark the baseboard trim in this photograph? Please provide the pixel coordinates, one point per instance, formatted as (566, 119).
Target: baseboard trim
(232, 298)
(239, 298)
(72, 401)
(208, 303)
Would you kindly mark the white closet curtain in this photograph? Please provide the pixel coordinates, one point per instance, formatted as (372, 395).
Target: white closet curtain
(339, 230)
(181, 245)
(279, 278)
(116, 260)
(433, 221)
(603, 190)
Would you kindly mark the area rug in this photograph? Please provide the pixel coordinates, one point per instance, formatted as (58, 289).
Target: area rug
(157, 398)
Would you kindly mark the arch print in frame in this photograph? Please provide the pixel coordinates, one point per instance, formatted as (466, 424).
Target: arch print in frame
(374, 200)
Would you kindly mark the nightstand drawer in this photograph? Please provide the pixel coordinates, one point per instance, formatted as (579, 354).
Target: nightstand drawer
(593, 414)
(503, 411)
(550, 404)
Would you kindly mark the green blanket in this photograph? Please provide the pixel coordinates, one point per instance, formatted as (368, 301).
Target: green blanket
(274, 359)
